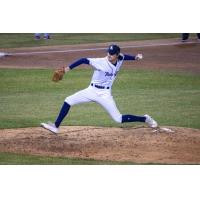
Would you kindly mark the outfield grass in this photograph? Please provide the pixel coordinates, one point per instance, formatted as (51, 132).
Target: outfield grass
(10, 40)
(22, 159)
(29, 97)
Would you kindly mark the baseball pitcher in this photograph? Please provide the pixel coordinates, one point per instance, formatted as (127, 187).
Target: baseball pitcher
(99, 90)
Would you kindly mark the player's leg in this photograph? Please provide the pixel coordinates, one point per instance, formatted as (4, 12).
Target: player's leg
(47, 36)
(133, 118)
(146, 118)
(37, 36)
(77, 98)
(185, 37)
(198, 36)
(63, 112)
(108, 103)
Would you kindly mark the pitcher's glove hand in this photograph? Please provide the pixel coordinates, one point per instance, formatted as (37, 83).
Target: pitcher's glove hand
(58, 74)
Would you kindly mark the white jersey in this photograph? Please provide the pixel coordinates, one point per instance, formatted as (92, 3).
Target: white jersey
(104, 71)
(104, 75)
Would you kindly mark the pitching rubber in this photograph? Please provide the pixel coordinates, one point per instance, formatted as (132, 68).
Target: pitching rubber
(163, 130)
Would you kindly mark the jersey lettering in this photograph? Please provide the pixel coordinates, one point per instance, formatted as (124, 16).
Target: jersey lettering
(108, 74)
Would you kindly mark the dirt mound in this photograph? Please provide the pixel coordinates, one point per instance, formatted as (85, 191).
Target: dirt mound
(139, 144)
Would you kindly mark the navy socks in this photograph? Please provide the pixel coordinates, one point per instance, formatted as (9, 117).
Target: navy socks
(63, 112)
(132, 118)
(66, 107)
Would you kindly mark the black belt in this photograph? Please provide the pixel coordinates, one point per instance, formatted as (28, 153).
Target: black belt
(99, 86)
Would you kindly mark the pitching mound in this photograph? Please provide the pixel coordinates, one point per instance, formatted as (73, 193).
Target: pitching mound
(140, 144)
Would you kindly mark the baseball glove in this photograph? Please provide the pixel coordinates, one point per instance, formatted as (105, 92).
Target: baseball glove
(58, 74)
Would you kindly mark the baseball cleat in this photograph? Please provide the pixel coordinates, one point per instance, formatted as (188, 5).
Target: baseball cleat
(150, 121)
(51, 127)
(47, 37)
(184, 40)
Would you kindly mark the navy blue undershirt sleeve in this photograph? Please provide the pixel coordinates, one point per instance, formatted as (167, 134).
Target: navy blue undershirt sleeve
(128, 57)
(79, 62)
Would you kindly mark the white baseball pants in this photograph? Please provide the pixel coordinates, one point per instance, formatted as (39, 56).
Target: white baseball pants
(101, 96)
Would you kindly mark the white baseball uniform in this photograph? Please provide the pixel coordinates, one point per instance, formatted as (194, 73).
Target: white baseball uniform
(100, 88)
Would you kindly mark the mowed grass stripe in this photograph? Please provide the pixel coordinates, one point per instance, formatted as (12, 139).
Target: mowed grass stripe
(14, 40)
(23, 159)
(28, 97)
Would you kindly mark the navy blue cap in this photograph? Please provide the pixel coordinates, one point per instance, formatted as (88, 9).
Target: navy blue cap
(113, 49)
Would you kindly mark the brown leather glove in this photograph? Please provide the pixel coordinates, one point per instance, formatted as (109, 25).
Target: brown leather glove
(58, 74)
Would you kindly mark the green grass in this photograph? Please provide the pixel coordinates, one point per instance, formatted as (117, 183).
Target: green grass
(29, 97)
(23, 159)
(10, 40)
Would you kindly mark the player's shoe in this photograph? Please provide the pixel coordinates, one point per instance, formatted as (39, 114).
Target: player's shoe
(150, 121)
(37, 37)
(51, 127)
(47, 37)
(184, 40)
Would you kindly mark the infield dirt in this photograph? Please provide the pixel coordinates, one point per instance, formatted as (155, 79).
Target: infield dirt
(139, 144)
(180, 56)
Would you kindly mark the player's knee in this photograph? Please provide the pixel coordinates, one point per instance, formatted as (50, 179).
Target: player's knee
(68, 101)
(117, 118)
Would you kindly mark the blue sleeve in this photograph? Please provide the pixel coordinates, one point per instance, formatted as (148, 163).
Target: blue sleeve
(128, 57)
(79, 62)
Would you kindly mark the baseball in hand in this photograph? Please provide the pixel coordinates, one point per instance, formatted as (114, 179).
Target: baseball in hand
(139, 56)
(2, 54)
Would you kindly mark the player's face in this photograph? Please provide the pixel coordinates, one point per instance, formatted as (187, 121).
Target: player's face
(112, 58)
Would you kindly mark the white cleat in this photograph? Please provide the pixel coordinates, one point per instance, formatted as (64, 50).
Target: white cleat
(150, 121)
(51, 127)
